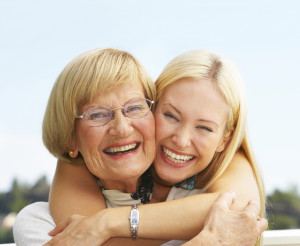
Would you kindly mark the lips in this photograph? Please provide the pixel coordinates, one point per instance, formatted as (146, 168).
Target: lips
(176, 157)
(120, 150)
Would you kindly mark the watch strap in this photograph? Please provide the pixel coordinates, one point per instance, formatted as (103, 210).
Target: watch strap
(134, 221)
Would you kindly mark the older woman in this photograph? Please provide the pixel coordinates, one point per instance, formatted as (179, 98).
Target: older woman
(110, 97)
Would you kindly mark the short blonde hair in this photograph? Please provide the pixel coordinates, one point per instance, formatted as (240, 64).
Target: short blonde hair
(77, 84)
(205, 65)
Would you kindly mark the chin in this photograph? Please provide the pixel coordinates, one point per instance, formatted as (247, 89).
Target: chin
(172, 179)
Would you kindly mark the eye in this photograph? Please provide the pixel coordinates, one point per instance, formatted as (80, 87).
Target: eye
(205, 128)
(97, 116)
(136, 107)
(170, 115)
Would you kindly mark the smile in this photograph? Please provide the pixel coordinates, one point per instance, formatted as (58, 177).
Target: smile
(175, 157)
(121, 149)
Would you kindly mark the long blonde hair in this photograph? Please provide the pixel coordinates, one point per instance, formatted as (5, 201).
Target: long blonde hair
(205, 65)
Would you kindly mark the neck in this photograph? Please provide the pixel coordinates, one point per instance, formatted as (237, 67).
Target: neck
(160, 193)
(126, 186)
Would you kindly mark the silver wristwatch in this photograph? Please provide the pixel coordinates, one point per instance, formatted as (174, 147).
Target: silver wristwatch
(134, 221)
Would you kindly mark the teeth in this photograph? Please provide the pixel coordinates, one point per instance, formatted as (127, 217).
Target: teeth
(176, 158)
(121, 149)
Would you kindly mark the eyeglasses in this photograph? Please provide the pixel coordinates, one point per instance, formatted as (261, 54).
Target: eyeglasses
(99, 116)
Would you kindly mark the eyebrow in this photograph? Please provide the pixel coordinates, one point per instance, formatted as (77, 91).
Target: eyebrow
(201, 120)
(93, 105)
(209, 121)
(173, 108)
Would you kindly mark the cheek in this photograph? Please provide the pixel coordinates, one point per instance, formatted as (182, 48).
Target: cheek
(89, 139)
(206, 145)
(162, 128)
(146, 128)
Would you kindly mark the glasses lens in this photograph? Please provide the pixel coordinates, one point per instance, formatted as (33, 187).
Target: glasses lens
(137, 108)
(97, 116)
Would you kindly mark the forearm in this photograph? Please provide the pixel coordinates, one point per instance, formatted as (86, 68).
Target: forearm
(74, 190)
(170, 220)
(180, 219)
(113, 224)
(167, 220)
(184, 218)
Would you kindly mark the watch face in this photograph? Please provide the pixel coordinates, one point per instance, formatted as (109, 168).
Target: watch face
(134, 217)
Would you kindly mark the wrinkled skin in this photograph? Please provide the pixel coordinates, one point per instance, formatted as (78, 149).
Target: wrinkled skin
(242, 228)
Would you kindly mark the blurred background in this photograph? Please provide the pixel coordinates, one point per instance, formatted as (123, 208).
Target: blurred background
(38, 38)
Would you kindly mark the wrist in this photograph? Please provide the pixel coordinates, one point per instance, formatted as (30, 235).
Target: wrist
(204, 238)
(207, 238)
(114, 221)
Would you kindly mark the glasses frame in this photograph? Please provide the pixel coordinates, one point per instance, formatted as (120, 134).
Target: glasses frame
(148, 101)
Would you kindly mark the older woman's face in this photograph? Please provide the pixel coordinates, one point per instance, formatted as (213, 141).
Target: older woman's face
(122, 149)
(190, 120)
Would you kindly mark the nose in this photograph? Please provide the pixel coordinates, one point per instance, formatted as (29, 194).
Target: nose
(120, 125)
(182, 138)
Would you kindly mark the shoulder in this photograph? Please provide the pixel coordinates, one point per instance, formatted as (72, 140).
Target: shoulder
(33, 224)
(34, 213)
(240, 162)
(237, 172)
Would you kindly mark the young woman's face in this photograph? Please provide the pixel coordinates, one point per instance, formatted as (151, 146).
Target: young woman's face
(122, 149)
(190, 119)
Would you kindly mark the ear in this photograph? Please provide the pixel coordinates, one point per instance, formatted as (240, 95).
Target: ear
(73, 153)
(224, 141)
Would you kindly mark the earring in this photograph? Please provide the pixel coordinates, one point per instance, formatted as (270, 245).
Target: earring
(71, 153)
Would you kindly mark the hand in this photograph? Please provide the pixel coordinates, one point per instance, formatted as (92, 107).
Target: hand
(78, 230)
(226, 227)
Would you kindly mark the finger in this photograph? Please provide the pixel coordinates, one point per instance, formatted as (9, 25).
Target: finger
(263, 224)
(253, 207)
(59, 228)
(225, 199)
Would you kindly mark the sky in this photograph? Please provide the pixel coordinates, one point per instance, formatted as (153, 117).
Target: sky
(262, 37)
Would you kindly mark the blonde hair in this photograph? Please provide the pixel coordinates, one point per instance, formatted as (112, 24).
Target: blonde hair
(77, 84)
(205, 65)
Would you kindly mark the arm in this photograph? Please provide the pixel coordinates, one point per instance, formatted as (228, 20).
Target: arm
(239, 178)
(74, 190)
(169, 220)
(183, 218)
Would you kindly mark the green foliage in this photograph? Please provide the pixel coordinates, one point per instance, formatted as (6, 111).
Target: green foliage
(18, 197)
(6, 236)
(21, 195)
(283, 210)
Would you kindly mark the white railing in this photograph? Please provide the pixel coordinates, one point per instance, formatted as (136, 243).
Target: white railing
(282, 237)
(271, 238)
